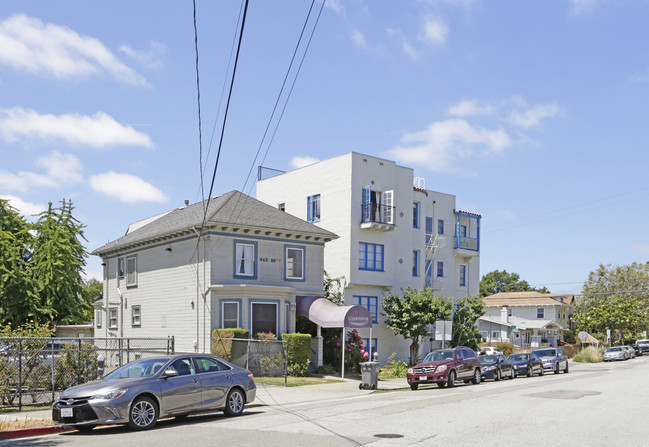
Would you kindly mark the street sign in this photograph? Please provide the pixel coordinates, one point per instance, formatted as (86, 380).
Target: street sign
(582, 335)
(512, 328)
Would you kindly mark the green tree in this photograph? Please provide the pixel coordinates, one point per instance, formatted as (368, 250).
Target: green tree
(411, 313)
(334, 289)
(466, 312)
(92, 290)
(615, 298)
(58, 261)
(18, 300)
(497, 281)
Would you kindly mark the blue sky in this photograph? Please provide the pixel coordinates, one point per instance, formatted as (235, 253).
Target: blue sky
(534, 114)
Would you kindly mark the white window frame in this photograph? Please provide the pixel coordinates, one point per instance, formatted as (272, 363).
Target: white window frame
(540, 313)
(136, 316)
(248, 261)
(389, 210)
(98, 315)
(288, 263)
(131, 274)
(253, 332)
(113, 315)
(238, 317)
(313, 208)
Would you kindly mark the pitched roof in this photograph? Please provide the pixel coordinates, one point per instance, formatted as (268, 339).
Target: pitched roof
(233, 209)
(522, 323)
(527, 299)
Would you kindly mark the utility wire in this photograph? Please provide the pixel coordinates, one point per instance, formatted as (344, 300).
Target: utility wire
(198, 100)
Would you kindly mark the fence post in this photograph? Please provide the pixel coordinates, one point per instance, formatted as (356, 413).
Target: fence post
(286, 364)
(20, 375)
(53, 373)
(128, 350)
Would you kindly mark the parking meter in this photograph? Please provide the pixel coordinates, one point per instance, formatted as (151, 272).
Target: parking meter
(100, 365)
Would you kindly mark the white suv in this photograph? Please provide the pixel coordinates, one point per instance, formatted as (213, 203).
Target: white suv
(488, 350)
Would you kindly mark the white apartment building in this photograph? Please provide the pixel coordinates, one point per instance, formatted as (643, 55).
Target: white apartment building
(393, 234)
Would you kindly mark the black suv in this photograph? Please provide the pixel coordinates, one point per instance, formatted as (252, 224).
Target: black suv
(445, 367)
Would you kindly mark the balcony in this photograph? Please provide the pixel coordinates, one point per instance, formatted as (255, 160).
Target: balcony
(467, 246)
(377, 217)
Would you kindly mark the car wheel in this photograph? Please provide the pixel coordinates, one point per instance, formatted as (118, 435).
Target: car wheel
(498, 375)
(86, 428)
(143, 414)
(542, 371)
(441, 384)
(556, 368)
(512, 374)
(477, 376)
(451, 379)
(414, 386)
(565, 371)
(530, 372)
(235, 402)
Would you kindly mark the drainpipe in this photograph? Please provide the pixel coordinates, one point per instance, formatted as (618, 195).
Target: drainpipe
(121, 313)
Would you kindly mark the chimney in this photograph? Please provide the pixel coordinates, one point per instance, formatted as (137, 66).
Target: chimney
(504, 314)
(186, 202)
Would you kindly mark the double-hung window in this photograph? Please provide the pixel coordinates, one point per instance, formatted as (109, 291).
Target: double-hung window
(415, 214)
(112, 318)
(136, 316)
(313, 208)
(415, 263)
(245, 263)
(371, 303)
(462, 275)
(370, 256)
(440, 269)
(230, 314)
(131, 271)
(540, 313)
(294, 263)
(440, 226)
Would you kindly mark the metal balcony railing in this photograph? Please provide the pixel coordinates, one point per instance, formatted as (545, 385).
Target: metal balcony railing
(371, 212)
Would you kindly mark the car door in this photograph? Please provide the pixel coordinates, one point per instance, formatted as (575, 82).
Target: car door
(215, 380)
(182, 393)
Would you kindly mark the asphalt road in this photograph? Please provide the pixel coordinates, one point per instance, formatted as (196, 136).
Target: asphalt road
(594, 405)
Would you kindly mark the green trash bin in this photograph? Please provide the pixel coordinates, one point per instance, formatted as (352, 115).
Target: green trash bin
(370, 375)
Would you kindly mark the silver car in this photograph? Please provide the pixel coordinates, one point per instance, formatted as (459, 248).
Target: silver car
(142, 391)
(615, 353)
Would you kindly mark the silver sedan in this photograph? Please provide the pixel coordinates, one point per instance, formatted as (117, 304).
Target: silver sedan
(615, 353)
(142, 391)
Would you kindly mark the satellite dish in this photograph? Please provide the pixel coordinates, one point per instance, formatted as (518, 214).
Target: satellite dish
(582, 335)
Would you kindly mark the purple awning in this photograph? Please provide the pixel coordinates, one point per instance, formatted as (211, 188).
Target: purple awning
(327, 314)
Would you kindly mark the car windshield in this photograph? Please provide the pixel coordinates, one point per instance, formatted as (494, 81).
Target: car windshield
(519, 357)
(438, 356)
(489, 358)
(613, 349)
(139, 368)
(546, 353)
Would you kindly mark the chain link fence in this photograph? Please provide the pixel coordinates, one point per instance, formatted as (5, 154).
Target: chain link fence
(34, 371)
(263, 358)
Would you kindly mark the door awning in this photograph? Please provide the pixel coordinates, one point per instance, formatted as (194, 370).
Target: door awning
(327, 314)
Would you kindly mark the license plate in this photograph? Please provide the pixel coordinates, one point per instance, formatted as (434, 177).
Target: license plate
(66, 412)
(422, 378)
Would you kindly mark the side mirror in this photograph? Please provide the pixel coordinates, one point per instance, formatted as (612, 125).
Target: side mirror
(169, 373)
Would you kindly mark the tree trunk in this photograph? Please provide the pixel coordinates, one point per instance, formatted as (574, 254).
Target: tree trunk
(414, 352)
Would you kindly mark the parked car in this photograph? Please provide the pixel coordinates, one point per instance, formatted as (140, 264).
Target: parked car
(643, 344)
(496, 367)
(489, 350)
(630, 351)
(637, 349)
(527, 364)
(142, 391)
(445, 367)
(615, 353)
(554, 359)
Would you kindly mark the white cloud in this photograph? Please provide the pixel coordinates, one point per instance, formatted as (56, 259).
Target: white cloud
(533, 116)
(435, 31)
(470, 108)
(126, 188)
(359, 39)
(98, 131)
(444, 145)
(407, 48)
(336, 6)
(152, 58)
(301, 161)
(580, 7)
(61, 169)
(642, 248)
(29, 45)
(26, 209)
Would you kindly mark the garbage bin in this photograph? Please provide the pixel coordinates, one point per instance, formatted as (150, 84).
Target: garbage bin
(370, 375)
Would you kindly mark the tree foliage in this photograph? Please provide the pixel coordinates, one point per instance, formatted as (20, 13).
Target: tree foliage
(41, 266)
(466, 313)
(615, 298)
(411, 313)
(497, 281)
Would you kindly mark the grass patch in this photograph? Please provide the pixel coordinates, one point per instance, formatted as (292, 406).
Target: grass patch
(294, 381)
(589, 355)
(27, 423)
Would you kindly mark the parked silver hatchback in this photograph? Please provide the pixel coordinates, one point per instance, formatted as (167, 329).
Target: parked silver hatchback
(142, 391)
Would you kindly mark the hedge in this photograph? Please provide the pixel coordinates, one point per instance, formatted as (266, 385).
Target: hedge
(299, 348)
(225, 347)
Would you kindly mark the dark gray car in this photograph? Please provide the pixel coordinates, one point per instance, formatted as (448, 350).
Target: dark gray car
(142, 391)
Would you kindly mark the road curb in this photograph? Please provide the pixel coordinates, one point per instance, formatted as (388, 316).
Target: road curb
(36, 431)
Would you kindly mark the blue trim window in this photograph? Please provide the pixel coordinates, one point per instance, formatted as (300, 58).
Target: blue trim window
(415, 214)
(440, 269)
(428, 273)
(264, 317)
(371, 303)
(313, 208)
(245, 260)
(462, 275)
(440, 226)
(370, 257)
(281, 206)
(415, 263)
(230, 314)
(294, 262)
(462, 230)
(374, 347)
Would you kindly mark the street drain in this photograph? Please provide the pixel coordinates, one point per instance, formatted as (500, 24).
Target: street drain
(388, 435)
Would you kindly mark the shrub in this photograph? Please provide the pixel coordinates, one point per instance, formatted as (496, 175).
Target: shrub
(299, 369)
(505, 347)
(299, 349)
(589, 355)
(223, 346)
(325, 370)
(354, 351)
(394, 368)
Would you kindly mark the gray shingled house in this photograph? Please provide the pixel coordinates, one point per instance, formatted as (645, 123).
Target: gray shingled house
(186, 272)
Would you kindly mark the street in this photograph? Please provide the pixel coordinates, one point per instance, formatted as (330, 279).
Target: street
(595, 404)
